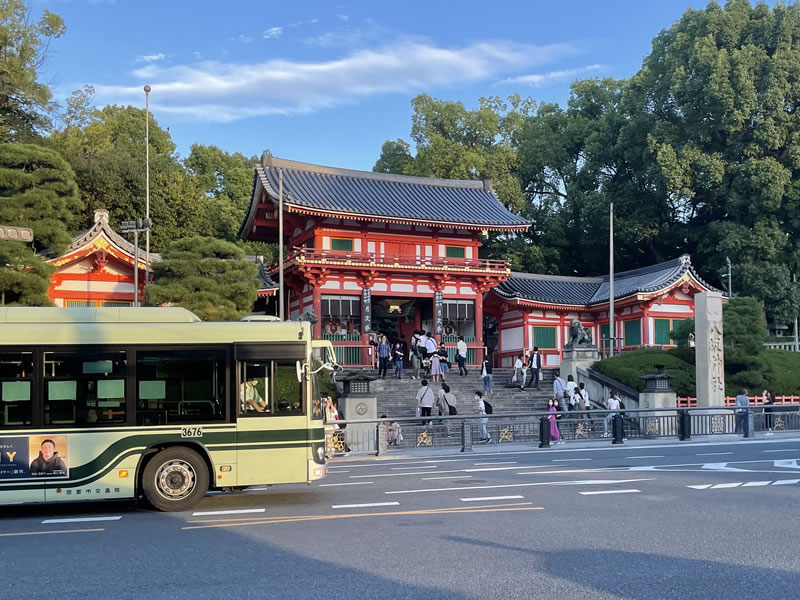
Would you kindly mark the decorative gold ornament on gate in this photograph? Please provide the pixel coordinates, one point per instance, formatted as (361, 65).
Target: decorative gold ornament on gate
(424, 439)
(507, 435)
(336, 443)
(581, 431)
(652, 427)
(779, 424)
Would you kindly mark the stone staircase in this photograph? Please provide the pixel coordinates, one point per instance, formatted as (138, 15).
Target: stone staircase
(396, 397)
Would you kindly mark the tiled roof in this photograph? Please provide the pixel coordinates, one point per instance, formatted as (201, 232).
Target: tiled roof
(381, 196)
(587, 291)
(264, 280)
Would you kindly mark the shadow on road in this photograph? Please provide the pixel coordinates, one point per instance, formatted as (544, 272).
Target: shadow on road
(639, 575)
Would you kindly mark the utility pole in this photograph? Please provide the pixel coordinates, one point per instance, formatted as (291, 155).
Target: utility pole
(147, 182)
(730, 278)
(611, 323)
(281, 312)
(136, 227)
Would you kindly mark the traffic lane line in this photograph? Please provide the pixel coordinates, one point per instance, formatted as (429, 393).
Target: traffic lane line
(508, 507)
(637, 457)
(712, 453)
(80, 520)
(481, 470)
(447, 477)
(367, 505)
(570, 459)
(407, 468)
(240, 511)
(491, 498)
(21, 533)
(604, 492)
(784, 450)
(518, 485)
(347, 483)
(497, 462)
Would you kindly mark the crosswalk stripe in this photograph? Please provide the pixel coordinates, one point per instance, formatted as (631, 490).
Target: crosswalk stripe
(786, 482)
(700, 487)
(722, 486)
(756, 483)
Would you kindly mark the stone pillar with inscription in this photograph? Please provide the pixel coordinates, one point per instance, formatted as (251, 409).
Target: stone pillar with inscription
(709, 355)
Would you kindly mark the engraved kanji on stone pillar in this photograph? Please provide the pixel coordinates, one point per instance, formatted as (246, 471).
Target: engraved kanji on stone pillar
(709, 349)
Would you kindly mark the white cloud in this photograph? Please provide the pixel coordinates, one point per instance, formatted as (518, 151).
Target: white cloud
(148, 58)
(245, 39)
(273, 33)
(543, 79)
(314, 20)
(226, 91)
(343, 17)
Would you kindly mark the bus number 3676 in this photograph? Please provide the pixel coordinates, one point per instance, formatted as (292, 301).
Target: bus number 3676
(189, 432)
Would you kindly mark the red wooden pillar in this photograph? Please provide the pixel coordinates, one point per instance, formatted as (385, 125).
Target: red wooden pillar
(479, 326)
(525, 337)
(316, 303)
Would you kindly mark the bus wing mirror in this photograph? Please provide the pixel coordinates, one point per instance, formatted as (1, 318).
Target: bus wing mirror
(299, 368)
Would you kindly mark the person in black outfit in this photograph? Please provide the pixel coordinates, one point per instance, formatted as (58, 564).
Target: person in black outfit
(535, 366)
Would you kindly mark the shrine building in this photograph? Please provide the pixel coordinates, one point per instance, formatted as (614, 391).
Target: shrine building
(378, 253)
(536, 310)
(98, 269)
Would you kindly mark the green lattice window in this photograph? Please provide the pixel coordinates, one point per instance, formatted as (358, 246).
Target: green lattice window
(342, 244)
(632, 333)
(544, 337)
(455, 251)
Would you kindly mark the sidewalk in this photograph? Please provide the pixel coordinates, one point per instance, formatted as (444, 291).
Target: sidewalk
(578, 446)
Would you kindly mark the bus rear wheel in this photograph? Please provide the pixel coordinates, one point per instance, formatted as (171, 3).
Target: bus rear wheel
(175, 479)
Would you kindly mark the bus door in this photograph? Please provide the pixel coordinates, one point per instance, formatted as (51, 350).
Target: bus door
(272, 424)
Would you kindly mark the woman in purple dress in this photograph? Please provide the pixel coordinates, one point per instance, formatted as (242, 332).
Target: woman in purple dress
(436, 367)
(555, 435)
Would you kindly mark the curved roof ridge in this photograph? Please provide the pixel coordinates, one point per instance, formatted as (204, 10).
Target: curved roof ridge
(547, 277)
(284, 163)
(681, 261)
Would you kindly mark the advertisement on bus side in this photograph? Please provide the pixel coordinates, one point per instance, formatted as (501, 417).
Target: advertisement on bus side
(34, 457)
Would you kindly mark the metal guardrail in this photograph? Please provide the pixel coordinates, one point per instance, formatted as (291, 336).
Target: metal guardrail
(382, 436)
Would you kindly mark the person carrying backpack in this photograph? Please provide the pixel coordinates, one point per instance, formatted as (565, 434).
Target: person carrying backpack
(484, 408)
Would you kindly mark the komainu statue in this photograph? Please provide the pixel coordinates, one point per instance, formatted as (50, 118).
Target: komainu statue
(578, 334)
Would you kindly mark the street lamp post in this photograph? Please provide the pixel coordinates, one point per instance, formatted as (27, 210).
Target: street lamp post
(147, 181)
(730, 277)
(136, 227)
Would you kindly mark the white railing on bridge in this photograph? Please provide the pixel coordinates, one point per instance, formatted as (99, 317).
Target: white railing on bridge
(781, 346)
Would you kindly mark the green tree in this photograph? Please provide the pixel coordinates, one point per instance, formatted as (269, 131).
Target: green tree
(721, 88)
(395, 157)
(37, 190)
(24, 101)
(106, 148)
(210, 277)
(227, 182)
(744, 334)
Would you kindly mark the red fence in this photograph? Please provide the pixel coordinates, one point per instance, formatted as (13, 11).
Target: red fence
(731, 400)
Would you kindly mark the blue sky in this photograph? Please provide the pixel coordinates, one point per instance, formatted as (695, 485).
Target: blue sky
(329, 82)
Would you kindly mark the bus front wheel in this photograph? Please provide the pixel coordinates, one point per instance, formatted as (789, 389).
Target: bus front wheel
(175, 479)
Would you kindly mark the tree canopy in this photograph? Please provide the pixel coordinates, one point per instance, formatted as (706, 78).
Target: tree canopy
(208, 276)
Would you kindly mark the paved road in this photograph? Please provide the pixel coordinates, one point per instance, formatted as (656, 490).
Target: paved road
(686, 521)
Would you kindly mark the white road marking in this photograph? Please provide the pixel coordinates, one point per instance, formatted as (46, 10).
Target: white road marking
(497, 462)
(756, 483)
(787, 464)
(330, 472)
(241, 511)
(705, 486)
(447, 477)
(720, 467)
(257, 489)
(786, 482)
(480, 470)
(569, 459)
(80, 520)
(365, 505)
(654, 456)
(406, 468)
(597, 493)
(724, 486)
(516, 485)
(784, 450)
(348, 483)
(713, 453)
(487, 498)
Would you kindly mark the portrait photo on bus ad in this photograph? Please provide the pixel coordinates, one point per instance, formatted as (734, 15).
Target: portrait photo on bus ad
(48, 456)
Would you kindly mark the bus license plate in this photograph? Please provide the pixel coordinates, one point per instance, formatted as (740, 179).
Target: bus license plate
(187, 432)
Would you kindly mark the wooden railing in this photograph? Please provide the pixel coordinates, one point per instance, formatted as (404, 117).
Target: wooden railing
(312, 255)
(689, 401)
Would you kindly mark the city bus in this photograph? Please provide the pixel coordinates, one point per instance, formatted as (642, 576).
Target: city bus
(116, 403)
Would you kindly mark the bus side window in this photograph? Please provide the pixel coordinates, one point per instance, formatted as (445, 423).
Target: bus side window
(269, 388)
(16, 380)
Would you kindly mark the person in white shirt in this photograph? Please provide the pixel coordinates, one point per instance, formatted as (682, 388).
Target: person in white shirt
(484, 421)
(585, 397)
(559, 385)
(249, 398)
(425, 398)
(611, 404)
(570, 387)
(518, 371)
(430, 345)
(535, 366)
(461, 356)
(444, 400)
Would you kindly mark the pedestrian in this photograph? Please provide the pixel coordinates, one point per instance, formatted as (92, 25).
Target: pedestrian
(576, 401)
(569, 392)
(398, 360)
(612, 404)
(430, 346)
(444, 360)
(461, 356)
(394, 434)
(769, 407)
(443, 403)
(436, 367)
(535, 366)
(559, 387)
(742, 402)
(486, 373)
(384, 352)
(585, 397)
(517, 372)
(339, 416)
(425, 399)
(484, 420)
(416, 354)
(555, 434)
